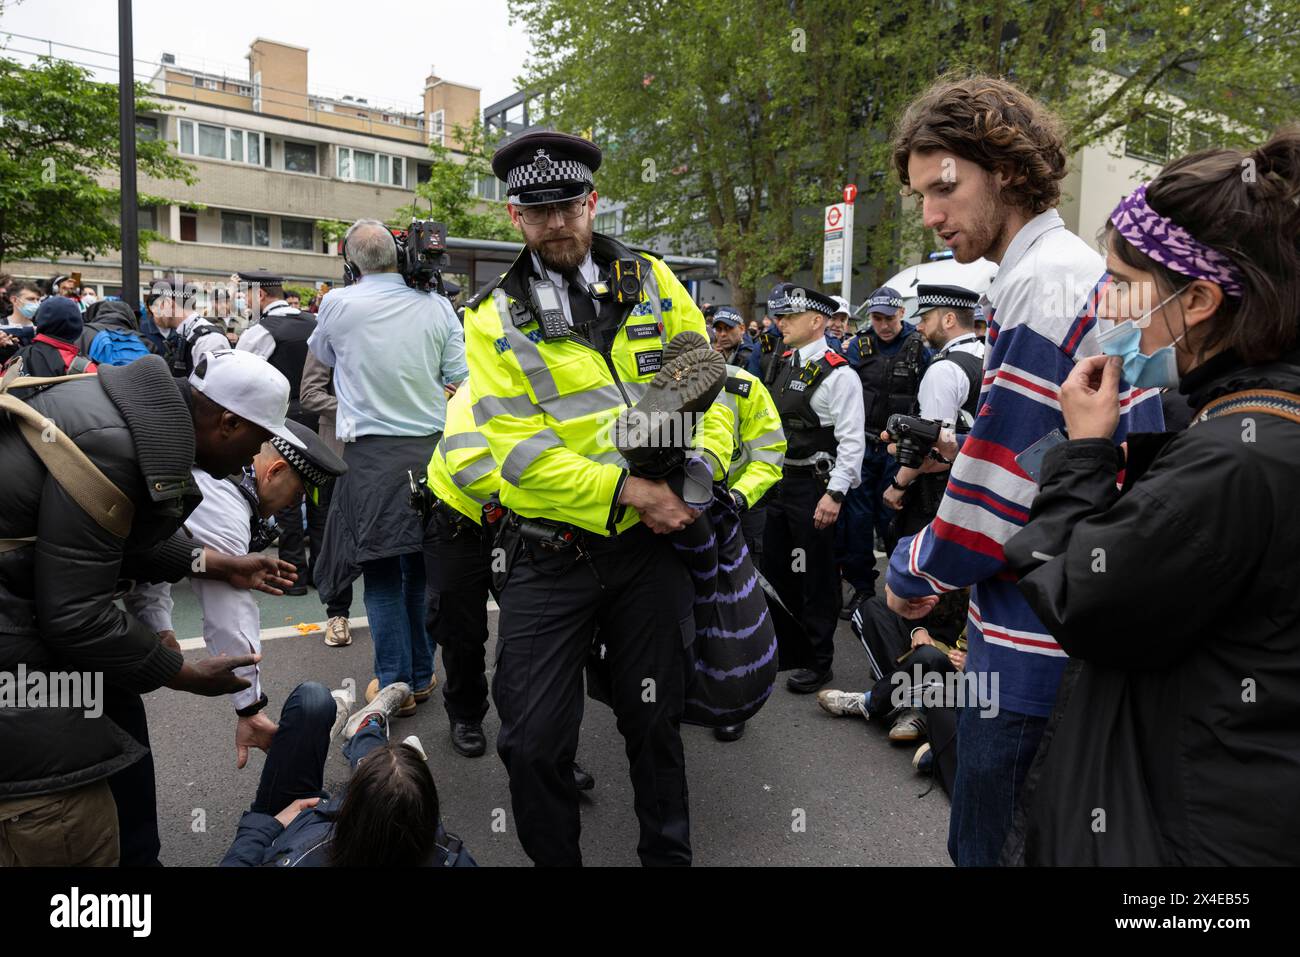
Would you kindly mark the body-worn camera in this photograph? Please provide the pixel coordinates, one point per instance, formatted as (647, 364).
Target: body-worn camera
(625, 278)
(421, 256)
(914, 436)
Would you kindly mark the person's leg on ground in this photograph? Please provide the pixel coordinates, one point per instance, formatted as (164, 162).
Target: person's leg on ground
(295, 763)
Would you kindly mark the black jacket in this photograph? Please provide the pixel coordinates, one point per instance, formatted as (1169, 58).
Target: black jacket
(1176, 735)
(56, 596)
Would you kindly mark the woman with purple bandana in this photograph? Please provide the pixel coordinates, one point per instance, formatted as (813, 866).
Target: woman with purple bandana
(1168, 570)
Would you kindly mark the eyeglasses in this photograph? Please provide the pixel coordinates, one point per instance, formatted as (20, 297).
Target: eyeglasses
(537, 215)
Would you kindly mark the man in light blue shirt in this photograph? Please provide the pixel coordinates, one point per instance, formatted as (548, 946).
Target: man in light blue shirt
(394, 350)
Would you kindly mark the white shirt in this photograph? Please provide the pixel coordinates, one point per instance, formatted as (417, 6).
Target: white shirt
(256, 339)
(232, 623)
(838, 402)
(945, 387)
(208, 342)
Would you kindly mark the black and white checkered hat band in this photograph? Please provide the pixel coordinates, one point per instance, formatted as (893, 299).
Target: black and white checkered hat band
(934, 302)
(792, 303)
(310, 473)
(545, 172)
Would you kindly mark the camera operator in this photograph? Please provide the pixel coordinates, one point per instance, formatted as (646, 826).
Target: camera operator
(949, 394)
(393, 349)
(280, 337)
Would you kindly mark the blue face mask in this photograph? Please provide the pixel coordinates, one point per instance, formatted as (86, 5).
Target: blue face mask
(1156, 371)
(28, 309)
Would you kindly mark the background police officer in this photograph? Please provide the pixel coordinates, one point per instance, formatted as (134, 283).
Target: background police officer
(820, 403)
(280, 337)
(729, 337)
(550, 370)
(890, 358)
(949, 393)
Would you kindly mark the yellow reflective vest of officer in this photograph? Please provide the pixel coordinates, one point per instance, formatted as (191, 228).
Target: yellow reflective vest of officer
(462, 472)
(758, 438)
(547, 408)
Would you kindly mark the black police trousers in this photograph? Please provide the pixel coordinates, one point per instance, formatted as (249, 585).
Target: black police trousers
(637, 592)
(799, 560)
(459, 577)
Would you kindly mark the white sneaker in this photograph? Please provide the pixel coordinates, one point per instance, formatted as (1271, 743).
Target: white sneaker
(386, 703)
(338, 632)
(344, 699)
(842, 704)
(411, 741)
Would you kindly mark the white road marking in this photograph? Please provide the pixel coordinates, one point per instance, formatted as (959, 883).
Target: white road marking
(290, 631)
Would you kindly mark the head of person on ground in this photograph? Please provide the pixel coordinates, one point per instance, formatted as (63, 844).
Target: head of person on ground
(801, 313)
(24, 299)
(838, 326)
(885, 312)
(551, 194)
(944, 313)
(728, 332)
(1204, 261)
(239, 402)
(390, 812)
(982, 158)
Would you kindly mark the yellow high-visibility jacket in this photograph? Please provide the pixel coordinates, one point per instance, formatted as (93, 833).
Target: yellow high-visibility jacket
(547, 408)
(462, 472)
(758, 438)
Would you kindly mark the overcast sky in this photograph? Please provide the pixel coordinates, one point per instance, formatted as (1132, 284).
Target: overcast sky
(353, 50)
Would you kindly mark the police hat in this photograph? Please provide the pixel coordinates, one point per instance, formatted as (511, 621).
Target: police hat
(789, 299)
(316, 463)
(934, 297)
(727, 316)
(546, 167)
(884, 301)
(261, 277)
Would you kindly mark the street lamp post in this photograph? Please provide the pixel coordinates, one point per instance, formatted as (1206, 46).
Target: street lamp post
(126, 130)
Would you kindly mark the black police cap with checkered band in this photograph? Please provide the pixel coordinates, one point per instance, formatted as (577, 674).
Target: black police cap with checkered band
(317, 463)
(788, 299)
(546, 167)
(933, 297)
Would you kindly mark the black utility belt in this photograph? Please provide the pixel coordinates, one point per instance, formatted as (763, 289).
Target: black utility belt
(545, 534)
(454, 519)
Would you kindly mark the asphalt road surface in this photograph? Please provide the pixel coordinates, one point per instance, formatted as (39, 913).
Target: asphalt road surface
(800, 788)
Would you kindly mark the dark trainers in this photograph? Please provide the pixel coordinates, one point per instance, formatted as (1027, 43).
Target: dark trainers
(808, 680)
(860, 597)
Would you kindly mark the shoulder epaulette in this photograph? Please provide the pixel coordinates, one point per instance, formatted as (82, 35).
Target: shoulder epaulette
(787, 354)
(478, 297)
(834, 359)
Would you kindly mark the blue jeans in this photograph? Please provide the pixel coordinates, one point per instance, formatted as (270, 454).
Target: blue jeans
(865, 513)
(295, 762)
(395, 602)
(993, 757)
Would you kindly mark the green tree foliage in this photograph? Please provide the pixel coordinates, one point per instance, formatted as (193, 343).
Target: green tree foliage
(450, 194)
(727, 126)
(58, 139)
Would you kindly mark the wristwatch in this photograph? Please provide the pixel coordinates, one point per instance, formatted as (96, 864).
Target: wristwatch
(739, 499)
(254, 708)
(836, 497)
(896, 486)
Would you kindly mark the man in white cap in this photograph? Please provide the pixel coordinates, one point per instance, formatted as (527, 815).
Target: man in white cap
(837, 327)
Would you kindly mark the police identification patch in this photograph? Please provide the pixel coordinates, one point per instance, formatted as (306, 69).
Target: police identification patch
(649, 362)
(642, 331)
(797, 386)
(738, 387)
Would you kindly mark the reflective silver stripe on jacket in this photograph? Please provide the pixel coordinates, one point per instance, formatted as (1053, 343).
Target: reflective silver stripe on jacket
(527, 452)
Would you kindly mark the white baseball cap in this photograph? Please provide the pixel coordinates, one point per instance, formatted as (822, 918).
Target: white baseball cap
(843, 305)
(248, 386)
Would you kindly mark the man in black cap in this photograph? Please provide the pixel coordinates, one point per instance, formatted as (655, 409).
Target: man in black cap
(232, 518)
(280, 337)
(559, 347)
(729, 337)
(820, 402)
(949, 393)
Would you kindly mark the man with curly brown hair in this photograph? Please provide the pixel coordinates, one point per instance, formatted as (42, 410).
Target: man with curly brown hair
(985, 162)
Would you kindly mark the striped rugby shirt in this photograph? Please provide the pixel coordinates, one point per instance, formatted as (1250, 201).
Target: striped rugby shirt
(1041, 312)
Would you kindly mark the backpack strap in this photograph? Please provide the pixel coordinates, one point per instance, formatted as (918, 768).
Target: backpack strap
(1283, 405)
(72, 469)
(78, 365)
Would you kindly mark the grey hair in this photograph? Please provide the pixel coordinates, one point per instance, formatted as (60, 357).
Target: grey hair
(370, 246)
